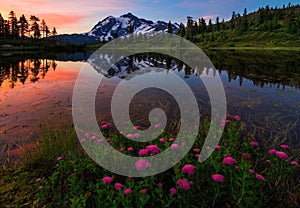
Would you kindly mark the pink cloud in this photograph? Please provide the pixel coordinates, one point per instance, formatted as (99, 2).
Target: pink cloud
(68, 15)
(59, 20)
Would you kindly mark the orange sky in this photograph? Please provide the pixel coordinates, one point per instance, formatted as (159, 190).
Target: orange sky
(68, 16)
(79, 16)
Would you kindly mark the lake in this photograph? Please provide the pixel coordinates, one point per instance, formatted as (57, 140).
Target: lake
(263, 87)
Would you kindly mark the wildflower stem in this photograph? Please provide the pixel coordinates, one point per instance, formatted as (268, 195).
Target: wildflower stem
(243, 190)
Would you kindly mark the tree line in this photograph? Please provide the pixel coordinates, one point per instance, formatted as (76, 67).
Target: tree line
(22, 27)
(286, 19)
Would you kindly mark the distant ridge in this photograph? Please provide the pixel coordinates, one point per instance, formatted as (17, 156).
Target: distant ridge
(112, 27)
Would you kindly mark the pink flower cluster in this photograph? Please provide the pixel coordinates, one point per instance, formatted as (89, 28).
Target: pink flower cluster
(142, 165)
(229, 161)
(189, 169)
(153, 149)
(184, 184)
(107, 180)
(218, 178)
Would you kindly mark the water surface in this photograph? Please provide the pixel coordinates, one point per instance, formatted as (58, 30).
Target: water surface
(261, 86)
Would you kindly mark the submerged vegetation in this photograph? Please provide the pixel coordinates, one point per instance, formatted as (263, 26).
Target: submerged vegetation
(242, 172)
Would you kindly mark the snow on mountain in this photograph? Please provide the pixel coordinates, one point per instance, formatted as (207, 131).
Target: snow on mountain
(112, 27)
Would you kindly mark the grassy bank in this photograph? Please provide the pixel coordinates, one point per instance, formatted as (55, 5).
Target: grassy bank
(242, 172)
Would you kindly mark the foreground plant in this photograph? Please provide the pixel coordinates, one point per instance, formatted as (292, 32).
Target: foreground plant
(240, 173)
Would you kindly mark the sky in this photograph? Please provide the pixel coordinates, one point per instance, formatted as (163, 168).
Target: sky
(78, 16)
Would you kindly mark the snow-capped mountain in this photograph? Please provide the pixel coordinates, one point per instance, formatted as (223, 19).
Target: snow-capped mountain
(112, 27)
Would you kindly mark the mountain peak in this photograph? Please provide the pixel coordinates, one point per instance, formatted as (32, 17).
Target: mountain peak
(112, 27)
(128, 15)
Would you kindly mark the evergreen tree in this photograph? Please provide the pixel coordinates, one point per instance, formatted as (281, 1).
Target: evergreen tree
(43, 27)
(35, 26)
(47, 32)
(13, 24)
(232, 21)
(181, 31)
(210, 26)
(1, 25)
(54, 32)
(245, 12)
(189, 28)
(23, 25)
(217, 24)
(170, 28)
(223, 25)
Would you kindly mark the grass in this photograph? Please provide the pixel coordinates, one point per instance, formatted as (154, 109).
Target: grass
(60, 174)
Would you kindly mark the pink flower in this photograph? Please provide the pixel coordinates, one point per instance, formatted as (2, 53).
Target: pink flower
(272, 151)
(197, 155)
(59, 158)
(100, 140)
(82, 140)
(142, 165)
(237, 117)
(41, 187)
(281, 155)
(260, 177)
(157, 125)
(268, 161)
(237, 167)
(130, 136)
(130, 149)
(137, 135)
(251, 171)
(218, 178)
(254, 144)
(174, 146)
(143, 191)
(184, 184)
(118, 186)
(87, 135)
(136, 127)
(107, 180)
(153, 148)
(183, 144)
(222, 123)
(173, 191)
(159, 185)
(127, 191)
(162, 140)
(196, 150)
(228, 161)
(105, 126)
(38, 179)
(189, 169)
(143, 152)
(122, 149)
(284, 146)
(172, 139)
(294, 163)
(218, 147)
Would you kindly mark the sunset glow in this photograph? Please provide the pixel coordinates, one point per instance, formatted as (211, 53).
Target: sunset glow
(77, 16)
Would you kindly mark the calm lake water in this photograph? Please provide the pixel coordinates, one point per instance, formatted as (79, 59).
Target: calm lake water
(263, 87)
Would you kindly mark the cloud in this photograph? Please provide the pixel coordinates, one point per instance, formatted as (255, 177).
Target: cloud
(59, 20)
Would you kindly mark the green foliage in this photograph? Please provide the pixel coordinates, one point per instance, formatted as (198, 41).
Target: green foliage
(60, 174)
(279, 21)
